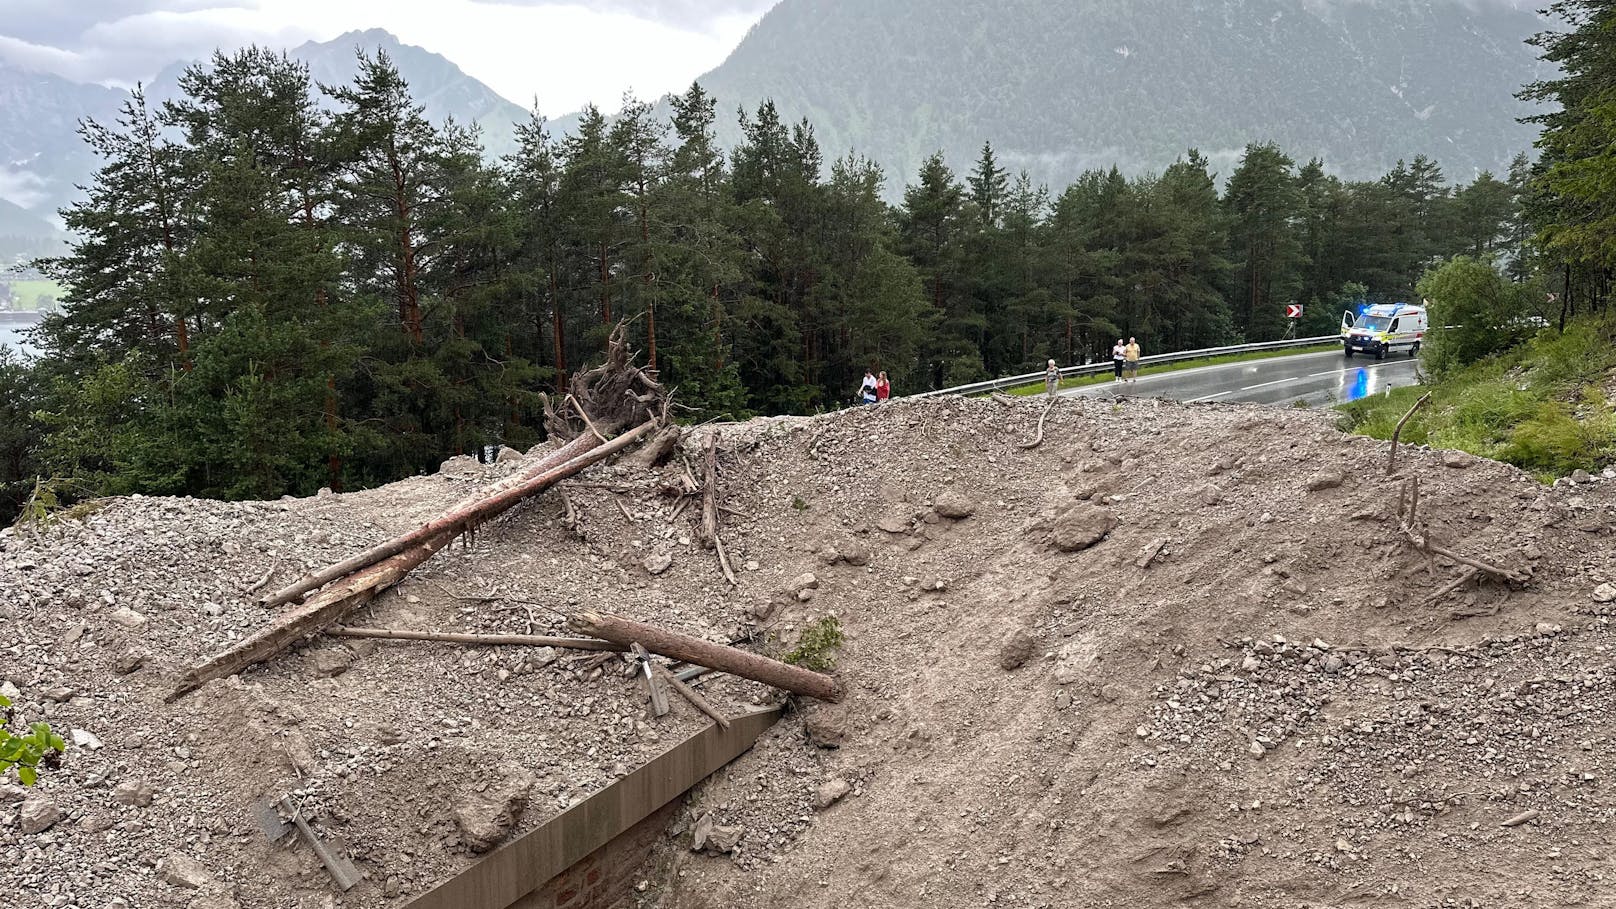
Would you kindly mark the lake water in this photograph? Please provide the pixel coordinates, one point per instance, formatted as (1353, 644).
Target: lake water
(11, 330)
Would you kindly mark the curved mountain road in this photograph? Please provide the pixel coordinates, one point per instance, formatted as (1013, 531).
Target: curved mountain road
(1319, 378)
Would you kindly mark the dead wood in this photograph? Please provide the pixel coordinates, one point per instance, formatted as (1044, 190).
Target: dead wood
(723, 561)
(478, 640)
(692, 695)
(1468, 575)
(262, 582)
(705, 653)
(1391, 457)
(616, 395)
(659, 449)
(326, 609)
(1417, 536)
(472, 512)
(623, 508)
(709, 492)
(570, 516)
(1039, 438)
(398, 544)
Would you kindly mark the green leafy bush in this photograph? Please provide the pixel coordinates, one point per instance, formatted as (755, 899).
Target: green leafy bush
(39, 746)
(1474, 312)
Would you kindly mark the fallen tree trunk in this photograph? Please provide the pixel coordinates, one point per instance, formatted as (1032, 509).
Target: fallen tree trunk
(479, 640)
(329, 606)
(315, 615)
(577, 447)
(690, 649)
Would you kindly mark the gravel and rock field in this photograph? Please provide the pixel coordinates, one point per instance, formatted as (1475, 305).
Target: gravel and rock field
(1174, 654)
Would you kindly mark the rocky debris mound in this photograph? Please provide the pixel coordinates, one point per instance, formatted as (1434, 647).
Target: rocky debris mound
(1153, 743)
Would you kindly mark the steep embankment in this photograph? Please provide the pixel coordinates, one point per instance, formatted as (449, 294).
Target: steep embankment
(1116, 763)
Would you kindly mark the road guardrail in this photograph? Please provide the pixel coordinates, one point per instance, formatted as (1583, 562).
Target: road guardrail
(1096, 368)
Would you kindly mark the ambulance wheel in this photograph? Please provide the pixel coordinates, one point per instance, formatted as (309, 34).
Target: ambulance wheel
(1380, 353)
(1349, 353)
(1415, 350)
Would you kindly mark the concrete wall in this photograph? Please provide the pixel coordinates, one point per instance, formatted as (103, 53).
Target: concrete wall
(606, 877)
(559, 852)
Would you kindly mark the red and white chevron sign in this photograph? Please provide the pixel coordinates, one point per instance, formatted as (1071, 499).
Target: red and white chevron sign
(1293, 310)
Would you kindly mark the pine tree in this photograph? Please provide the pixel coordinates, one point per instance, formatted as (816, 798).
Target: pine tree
(701, 265)
(121, 296)
(390, 197)
(931, 229)
(534, 175)
(989, 183)
(1574, 189)
(1263, 203)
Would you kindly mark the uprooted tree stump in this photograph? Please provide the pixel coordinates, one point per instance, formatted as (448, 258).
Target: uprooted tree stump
(608, 398)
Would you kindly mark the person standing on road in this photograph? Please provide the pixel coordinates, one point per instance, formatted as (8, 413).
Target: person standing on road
(867, 388)
(1119, 356)
(1051, 378)
(883, 388)
(1131, 355)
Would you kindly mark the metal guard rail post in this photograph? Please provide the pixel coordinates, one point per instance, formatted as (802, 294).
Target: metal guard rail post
(1089, 369)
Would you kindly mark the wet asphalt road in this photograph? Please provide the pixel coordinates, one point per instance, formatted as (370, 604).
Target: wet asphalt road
(1317, 379)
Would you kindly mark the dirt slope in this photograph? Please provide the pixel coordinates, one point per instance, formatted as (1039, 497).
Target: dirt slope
(1117, 766)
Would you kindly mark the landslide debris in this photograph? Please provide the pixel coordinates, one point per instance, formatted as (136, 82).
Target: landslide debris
(1165, 656)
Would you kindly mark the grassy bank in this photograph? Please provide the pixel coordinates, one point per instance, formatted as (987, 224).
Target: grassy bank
(33, 293)
(1037, 388)
(1541, 406)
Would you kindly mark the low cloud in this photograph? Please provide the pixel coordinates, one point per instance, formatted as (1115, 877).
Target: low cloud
(694, 15)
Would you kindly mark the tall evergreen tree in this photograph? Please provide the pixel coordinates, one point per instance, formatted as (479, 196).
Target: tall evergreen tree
(1263, 203)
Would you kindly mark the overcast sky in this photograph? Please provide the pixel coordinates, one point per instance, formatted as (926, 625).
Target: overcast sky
(562, 54)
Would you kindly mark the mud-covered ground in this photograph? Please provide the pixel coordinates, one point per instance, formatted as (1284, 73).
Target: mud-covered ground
(1229, 680)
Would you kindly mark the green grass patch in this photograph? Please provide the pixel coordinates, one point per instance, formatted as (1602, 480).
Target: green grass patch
(34, 294)
(1538, 406)
(1037, 388)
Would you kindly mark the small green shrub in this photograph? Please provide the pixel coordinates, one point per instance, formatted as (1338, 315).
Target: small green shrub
(815, 647)
(40, 746)
(799, 503)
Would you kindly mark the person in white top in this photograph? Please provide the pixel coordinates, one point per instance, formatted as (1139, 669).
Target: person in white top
(1119, 355)
(867, 390)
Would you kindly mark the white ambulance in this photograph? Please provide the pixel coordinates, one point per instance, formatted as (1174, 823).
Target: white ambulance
(1384, 328)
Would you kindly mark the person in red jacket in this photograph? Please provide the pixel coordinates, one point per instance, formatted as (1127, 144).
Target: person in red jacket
(883, 388)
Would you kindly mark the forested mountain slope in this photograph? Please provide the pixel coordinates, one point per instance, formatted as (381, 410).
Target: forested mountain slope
(1062, 87)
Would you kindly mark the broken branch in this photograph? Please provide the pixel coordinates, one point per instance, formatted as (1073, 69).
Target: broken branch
(692, 695)
(1391, 458)
(478, 640)
(1039, 438)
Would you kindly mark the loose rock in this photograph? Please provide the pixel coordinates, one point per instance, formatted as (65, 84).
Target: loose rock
(38, 814)
(1016, 650)
(1080, 527)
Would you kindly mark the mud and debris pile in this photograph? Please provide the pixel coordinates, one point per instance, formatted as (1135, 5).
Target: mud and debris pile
(1171, 653)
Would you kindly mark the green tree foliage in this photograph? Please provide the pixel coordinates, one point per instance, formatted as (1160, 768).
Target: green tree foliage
(20, 396)
(270, 291)
(1475, 311)
(1573, 187)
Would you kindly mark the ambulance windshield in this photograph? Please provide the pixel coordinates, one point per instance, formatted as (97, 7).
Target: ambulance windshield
(1373, 323)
